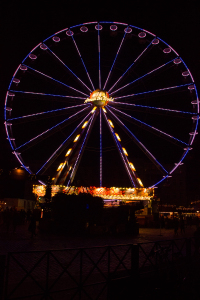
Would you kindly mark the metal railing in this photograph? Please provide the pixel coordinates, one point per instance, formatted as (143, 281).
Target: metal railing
(89, 273)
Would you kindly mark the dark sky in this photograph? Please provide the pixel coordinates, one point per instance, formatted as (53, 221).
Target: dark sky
(26, 23)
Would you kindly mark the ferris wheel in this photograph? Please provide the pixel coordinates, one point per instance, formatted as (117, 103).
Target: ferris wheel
(111, 90)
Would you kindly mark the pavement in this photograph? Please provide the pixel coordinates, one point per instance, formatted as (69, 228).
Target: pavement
(21, 240)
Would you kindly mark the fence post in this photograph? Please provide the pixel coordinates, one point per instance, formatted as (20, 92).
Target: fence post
(135, 261)
(2, 274)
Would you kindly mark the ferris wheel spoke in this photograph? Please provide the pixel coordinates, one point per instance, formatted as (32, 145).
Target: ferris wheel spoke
(140, 144)
(60, 60)
(73, 173)
(141, 77)
(140, 55)
(154, 108)
(60, 149)
(100, 145)
(99, 53)
(83, 62)
(58, 81)
(120, 151)
(68, 163)
(46, 112)
(44, 94)
(153, 91)
(114, 61)
(49, 130)
(152, 128)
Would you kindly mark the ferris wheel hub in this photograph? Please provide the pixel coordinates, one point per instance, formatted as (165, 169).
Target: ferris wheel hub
(99, 98)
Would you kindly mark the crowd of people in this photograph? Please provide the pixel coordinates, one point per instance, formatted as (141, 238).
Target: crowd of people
(178, 222)
(11, 218)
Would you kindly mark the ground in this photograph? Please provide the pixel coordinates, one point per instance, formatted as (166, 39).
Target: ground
(21, 240)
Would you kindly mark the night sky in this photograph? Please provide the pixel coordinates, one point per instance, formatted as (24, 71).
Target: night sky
(24, 24)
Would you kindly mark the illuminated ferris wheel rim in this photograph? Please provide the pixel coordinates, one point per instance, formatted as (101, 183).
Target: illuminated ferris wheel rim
(104, 100)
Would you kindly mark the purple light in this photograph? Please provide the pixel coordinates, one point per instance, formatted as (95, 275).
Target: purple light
(43, 47)
(114, 61)
(98, 27)
(148, 73)
(138, 141)
(195, 102)
(46, 112)
(77, 159)
(32, 56)
(142, 35)
(155, 42)
(157, 108)
(129, 67)
(191, 87)
(10, 94)
(43, 94)
(120, 23)
(54, 153)
(185, 73)
(48, 130)
(84, 29)
(177, 61)
(100, 149)
(113, 27)
(56, 39)
(154, 128)
(69, 32)
(23, 67)
(45, 75)
(120, 150)
(167, 50)
(99, 51)
(153, 91)
(83, 63)
(15, 80)
(128, 30)
(70, 70)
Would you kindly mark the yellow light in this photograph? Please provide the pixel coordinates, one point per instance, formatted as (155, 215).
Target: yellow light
(117, 136)
(93, 110)
(140, 182)
(76, 138)
(132, 166)
(53, 178)
(68, 152)
(84, 125)
(125, 152)
(111, 124)
(60, 166)
(104, 110)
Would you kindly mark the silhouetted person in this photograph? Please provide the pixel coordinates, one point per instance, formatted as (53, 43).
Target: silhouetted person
(182, 225)
(22, 216)
(32, 226)
(28, 215)
(175, 226)
(197, 239)
(7, 218)
(14, 219)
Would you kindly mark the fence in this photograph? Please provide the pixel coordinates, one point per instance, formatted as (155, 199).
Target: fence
(90, 273)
